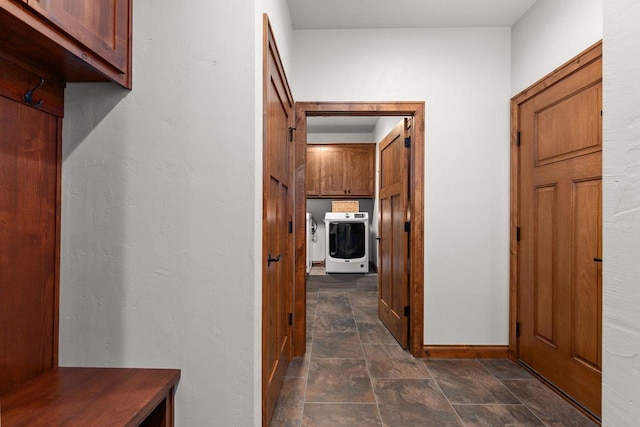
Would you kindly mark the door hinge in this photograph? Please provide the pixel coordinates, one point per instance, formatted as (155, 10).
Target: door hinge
(407, 310)
(517, 329)
(518, 139)
(407, 142)
(290, 319)
(291, 131)
(407, 226)
(517, 234)
(290, 227)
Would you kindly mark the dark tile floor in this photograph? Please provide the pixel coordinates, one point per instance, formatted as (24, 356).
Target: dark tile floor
(355, 374)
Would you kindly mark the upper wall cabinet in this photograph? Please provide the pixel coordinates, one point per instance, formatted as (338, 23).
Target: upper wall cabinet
(72, 40)
(340, 171)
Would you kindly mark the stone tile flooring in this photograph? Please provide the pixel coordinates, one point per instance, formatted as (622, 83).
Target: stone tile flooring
(355, 374)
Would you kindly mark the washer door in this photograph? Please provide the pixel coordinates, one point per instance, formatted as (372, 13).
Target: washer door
(347, 240)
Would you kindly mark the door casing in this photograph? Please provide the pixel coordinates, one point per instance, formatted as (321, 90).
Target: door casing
(416, 206)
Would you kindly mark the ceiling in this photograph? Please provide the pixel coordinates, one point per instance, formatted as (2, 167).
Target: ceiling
(341, 124)
(353, 14)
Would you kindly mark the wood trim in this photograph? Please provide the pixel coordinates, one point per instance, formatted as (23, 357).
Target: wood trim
(573, 65)
(589, 55)
(56, 279)
(466, 351)
(416, 187)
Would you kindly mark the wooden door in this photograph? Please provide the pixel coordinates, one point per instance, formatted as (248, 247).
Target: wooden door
(100, 25)
(393, 250)
(277, 237)
(560, 293)
(29, 203)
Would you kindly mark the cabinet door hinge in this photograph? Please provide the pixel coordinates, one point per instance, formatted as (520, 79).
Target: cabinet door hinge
(290, 227)
(290, 319)
(517, 329)
(518, 139)
(407, 310)
(407, 142)
(407, 226)
(291, 131)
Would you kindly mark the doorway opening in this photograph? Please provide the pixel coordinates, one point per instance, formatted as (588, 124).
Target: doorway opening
(413, 110)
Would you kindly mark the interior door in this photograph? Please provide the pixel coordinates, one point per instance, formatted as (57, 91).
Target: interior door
(393, 236)
(559, 262)
(277, 237)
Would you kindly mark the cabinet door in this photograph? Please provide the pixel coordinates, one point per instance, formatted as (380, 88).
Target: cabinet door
(313, 166)
(360, 166)
(100, 25)
(333, 172)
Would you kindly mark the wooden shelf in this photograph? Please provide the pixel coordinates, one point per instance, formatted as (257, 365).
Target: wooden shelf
(93, 396)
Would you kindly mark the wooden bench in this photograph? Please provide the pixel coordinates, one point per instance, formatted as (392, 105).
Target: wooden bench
(93, 397)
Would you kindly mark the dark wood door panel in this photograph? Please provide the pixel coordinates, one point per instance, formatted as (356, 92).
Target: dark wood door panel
(393, 274)
(277, 241)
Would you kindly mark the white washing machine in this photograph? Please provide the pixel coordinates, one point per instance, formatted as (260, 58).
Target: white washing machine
(347, 244)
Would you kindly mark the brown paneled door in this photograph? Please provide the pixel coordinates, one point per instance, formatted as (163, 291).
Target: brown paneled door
(277, 237)
(559, 262)
(393, 249)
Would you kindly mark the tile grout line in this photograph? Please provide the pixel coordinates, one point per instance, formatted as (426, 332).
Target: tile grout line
(366, 364)
(306, 380)
(512, 393)
(446, 397)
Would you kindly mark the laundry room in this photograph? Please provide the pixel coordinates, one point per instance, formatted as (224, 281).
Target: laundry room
(342, 180)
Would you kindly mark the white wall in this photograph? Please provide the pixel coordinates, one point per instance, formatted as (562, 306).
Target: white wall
(161, 250)
(621, 214)
(467, 154)
(548, 35)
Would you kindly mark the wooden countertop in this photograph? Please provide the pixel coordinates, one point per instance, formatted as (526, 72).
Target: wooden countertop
(89, 397)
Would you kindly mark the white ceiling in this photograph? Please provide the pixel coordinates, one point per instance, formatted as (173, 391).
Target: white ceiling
(352, 14)
(341, 124)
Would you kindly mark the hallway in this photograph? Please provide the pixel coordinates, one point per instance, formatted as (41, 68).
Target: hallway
(354, 374)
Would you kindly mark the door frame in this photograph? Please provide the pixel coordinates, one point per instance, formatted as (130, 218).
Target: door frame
(416, 205)
(584, 58)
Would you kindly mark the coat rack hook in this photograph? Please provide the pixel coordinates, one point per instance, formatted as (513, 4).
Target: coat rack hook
(28, 95)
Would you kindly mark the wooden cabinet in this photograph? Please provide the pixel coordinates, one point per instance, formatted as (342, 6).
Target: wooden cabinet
(340, 170)
(33, 390)
(72, 40)
(313, 172)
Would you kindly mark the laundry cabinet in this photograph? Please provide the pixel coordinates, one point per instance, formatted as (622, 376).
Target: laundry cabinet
(340, 170)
